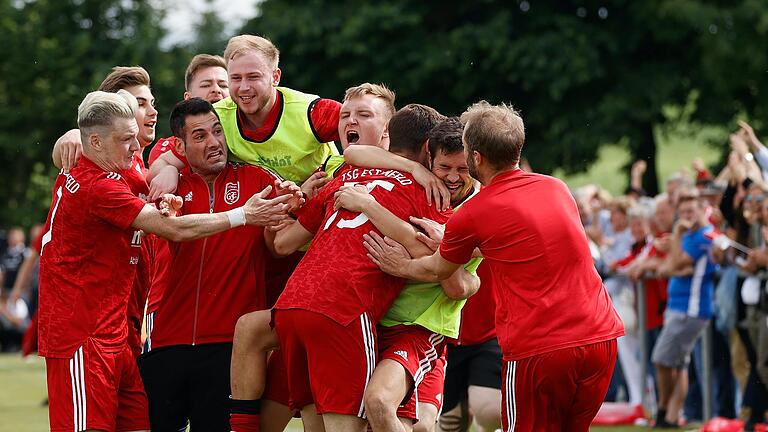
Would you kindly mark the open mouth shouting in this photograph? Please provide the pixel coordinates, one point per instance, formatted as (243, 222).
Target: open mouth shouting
(353, 137)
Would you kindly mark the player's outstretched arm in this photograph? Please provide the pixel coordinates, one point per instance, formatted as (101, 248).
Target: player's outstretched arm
(390, 256)
(375, 157)
(256, 211)
(67, 150)
(163, 176)
(357, 198)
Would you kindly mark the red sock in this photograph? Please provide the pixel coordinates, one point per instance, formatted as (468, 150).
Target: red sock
(244, 422)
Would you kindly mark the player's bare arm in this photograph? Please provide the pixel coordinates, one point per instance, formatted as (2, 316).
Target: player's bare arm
(67, 150)
(384, 253)
(256, 211)
(163, 176)
(288, 239)
(375, 157)
(357, 198)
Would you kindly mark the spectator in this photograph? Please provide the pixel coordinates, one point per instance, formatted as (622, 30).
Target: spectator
(14, 320)
(12, 257)
(690, 266)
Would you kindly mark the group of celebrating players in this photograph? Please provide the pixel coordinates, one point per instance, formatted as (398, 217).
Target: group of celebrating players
(419, 273)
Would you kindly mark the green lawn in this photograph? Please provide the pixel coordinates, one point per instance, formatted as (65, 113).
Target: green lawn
(22, 391)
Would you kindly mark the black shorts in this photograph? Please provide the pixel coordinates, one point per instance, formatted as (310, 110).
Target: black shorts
(471, 365)
(188, 384)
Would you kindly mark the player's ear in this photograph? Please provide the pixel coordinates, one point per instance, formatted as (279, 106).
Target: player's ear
(429, 154)
(479, 159)
(94, 141)
(187, 95)
(181, 147)
(276, 74)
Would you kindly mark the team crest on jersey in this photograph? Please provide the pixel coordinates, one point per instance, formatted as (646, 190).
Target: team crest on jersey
(232, 192)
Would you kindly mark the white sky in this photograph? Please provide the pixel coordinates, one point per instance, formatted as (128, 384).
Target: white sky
(182, 15)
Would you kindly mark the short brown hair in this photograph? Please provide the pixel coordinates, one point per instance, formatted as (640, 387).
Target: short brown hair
(123, 77)
(410, 126)
(239, 44)
(379, 90)
(495, 131)
(202, 61)
(689, 194)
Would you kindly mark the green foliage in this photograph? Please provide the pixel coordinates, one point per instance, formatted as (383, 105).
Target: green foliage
(54, 52)
(584, 73)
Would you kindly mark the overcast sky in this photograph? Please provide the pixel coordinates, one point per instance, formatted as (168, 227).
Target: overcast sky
(181, 15)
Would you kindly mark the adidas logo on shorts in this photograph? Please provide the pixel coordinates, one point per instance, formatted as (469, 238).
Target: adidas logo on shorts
(188, 197)
(403, 354)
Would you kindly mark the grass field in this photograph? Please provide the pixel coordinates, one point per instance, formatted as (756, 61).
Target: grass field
(22, 391)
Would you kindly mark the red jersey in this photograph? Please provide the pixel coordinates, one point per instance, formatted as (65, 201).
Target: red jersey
(136, 179)
(477, 315)
(548, 293)
(88, 261)
(162, 256)
(656, 292)
(336, 278)
(165, 145)
(323, 119)
(214, 280)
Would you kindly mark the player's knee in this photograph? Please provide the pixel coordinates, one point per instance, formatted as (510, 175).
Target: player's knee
(252, 332)
(488, 417)
(378, 405)
(425, 425)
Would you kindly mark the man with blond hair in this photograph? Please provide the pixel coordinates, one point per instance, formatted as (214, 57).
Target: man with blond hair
(555, 322)
(89, 255)
(364, 119)
(66, 153)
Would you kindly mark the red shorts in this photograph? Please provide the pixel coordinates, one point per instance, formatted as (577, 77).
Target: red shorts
(96, 390)
(276, 388)
(327, 364)
(430, 391)
(560, 390)
(416, 349)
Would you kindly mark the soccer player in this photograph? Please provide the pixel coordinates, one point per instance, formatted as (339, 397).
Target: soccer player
(88, 258)
(325, 317)
(212, 282)
(66, 153)
(690, 267)
(281, 129)
(555, 322)
(206, 78)
(412, 333)
(365, 113)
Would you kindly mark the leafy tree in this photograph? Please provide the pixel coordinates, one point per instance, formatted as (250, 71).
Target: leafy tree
(211, 38)
(584, 73)
(54, 52)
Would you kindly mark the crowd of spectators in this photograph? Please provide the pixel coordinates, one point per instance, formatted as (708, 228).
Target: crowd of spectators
(634, 239)
(18, 286)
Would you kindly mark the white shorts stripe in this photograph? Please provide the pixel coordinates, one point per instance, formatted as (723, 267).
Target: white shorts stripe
(430, 356)
(77, 375)
(369, 342)
(509, 394)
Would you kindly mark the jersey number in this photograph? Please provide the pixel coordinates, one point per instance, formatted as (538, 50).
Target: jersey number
(47, 235)
(360, 218)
